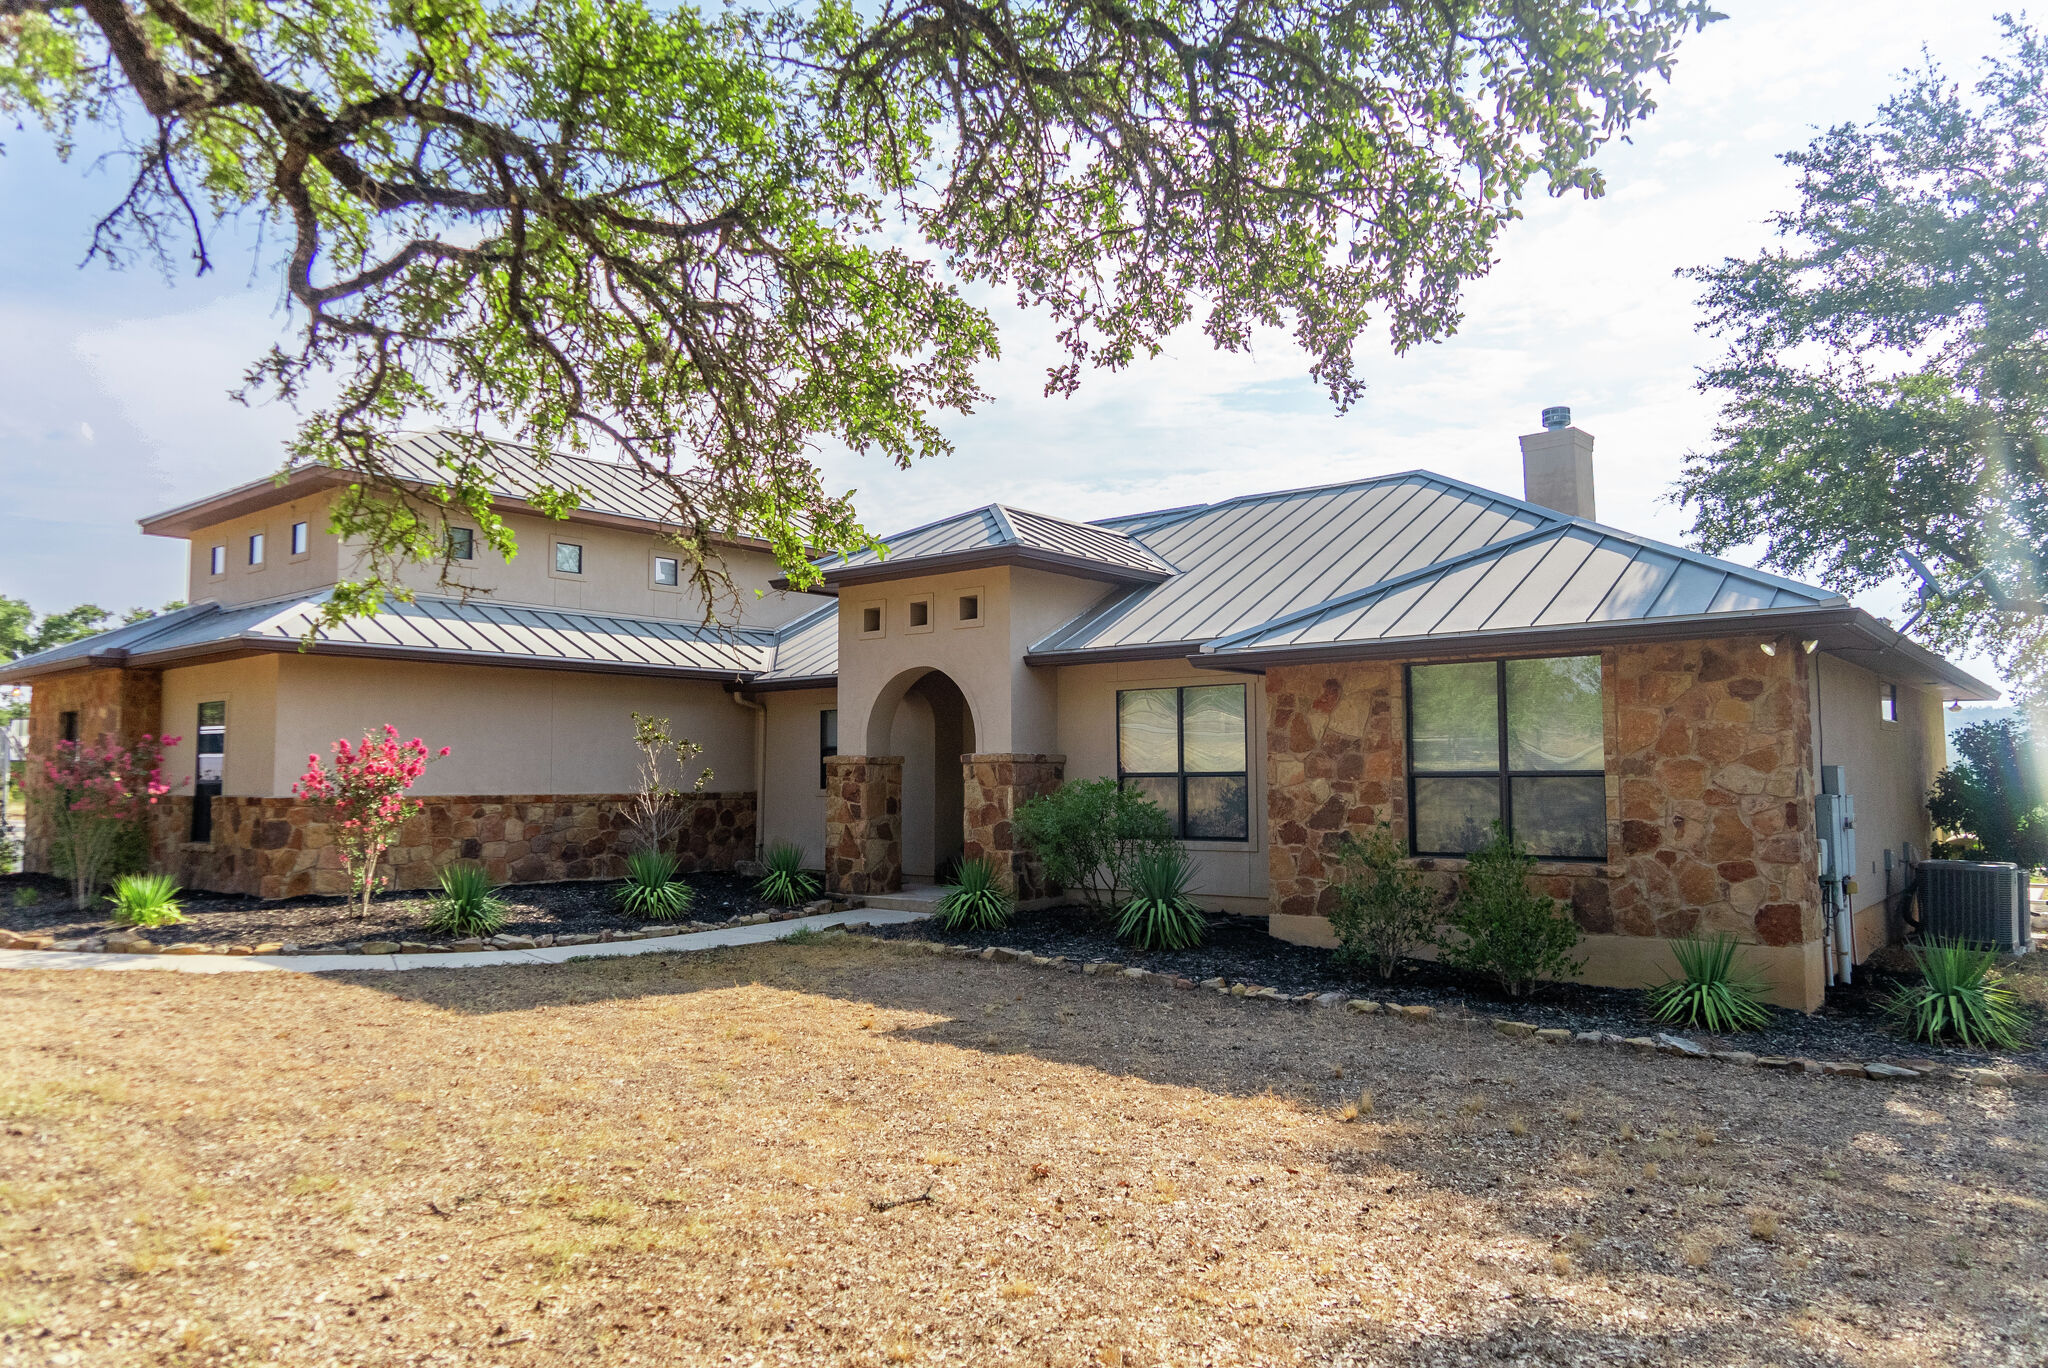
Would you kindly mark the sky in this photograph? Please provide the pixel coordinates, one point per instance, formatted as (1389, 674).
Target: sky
(114, 385)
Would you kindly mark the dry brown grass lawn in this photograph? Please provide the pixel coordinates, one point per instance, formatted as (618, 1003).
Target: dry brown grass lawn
(684, 1159)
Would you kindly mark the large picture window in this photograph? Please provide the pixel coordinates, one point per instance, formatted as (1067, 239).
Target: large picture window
(1519, 742)
(1185, 750)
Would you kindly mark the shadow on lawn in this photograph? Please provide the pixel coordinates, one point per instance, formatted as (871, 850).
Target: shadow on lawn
(1504, 1125)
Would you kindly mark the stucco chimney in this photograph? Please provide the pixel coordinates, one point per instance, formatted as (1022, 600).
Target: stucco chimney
(1557, 466)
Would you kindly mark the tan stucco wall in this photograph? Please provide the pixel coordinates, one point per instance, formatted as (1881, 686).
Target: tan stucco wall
(249, 687)
(511, 731)
(281, 573)
(618, 575)
(1014, 705)
(1229, 875)
(1889, 768)
(792, 800)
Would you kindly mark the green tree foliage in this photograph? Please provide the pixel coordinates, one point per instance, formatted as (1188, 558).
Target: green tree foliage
(706, 240)
(1994, 790)
(1886, 382)
(22, 633)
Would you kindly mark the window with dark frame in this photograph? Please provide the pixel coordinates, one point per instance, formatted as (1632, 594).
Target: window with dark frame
(568, 558)
(1185, 748)
(462, 543)
(255, 549)
(828, 741)
(667, 571)
(300, 539)
(210, 767)
(1519, 742)
(217, 561)
(1888, 703)
(67, 726)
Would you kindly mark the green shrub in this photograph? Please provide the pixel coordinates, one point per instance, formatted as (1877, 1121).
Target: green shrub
(651, 890)
(786, 884)
(1088, 835)
(1505, 930)
(1710, 993)
(1959, 994)
(1159, 914)
(146, 900)
(466, 905)
(1384, 909)
(979, 902)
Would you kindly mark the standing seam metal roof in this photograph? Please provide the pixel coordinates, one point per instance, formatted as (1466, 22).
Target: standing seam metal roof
(995, 527)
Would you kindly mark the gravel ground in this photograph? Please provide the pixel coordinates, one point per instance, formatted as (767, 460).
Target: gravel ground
(534, 909)
(844, 1153)
(1851, 1025)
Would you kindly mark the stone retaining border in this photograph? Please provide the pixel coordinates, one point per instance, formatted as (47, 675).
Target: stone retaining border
(1889, 1070)
(756, 933)
(131, 941)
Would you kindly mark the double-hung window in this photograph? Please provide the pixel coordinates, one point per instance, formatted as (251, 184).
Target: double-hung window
(1518, 742)
(1185, 750)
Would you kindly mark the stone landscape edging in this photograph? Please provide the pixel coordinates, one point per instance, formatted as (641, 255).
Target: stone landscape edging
(750, 932)
(1663, 1044)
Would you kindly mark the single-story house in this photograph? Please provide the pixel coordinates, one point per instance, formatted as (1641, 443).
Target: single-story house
(1275, 669)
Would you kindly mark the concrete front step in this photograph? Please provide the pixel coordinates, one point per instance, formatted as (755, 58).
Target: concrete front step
(916, 898)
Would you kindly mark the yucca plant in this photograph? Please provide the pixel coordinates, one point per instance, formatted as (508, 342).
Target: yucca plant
(651, 890)
(467, 906)
(1159, 914)
(979, 901)
(785, 884)
(1961, 995)
(146, 900)
(1711, 992)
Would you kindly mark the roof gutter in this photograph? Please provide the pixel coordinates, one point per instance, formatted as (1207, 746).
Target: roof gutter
(977, 558)
(1840, 630)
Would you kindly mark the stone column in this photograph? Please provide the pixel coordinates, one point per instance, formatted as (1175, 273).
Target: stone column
(864, 823)
(996, 786)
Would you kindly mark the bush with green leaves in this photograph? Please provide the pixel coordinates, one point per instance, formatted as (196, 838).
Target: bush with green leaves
(980, 901)
(146, 900)
(651, 890)
(786, 883)
(1384, 908)
(466, 905)
(1711, 991)
(1960, 996)
(1159, 914)
(1088, 835)
(1502, 928)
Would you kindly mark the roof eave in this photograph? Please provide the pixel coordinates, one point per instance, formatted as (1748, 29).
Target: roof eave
(1840, 629)
(1108, 655)
(268, 492)
(983, 557)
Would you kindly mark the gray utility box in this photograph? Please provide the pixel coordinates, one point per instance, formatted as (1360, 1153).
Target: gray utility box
(1984, 904)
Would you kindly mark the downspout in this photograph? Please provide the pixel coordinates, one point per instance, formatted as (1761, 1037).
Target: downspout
(760, 712)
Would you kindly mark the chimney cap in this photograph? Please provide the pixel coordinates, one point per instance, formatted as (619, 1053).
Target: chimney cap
(1557, 416)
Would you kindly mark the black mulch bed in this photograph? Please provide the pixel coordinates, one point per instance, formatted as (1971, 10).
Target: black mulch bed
(309, 923)
(1849, 1026)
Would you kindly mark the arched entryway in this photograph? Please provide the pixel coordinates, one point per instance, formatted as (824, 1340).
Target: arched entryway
(929, 723)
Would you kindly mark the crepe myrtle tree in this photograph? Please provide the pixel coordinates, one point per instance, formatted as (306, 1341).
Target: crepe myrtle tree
(706, 240)
(97, 795)
(365, 792)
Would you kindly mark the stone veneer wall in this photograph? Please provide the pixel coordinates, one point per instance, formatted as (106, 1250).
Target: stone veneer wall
(864, 823)
(997, 785)
(1710, 822)
(282, 848)
(121, 703)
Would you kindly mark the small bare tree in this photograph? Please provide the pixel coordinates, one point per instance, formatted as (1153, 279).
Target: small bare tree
(658, 811)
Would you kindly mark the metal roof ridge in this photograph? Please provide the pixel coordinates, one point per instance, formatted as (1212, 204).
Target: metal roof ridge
(1388, 585)
(1004, 526)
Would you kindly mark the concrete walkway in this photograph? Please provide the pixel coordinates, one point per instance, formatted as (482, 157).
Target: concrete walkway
(555, 954)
